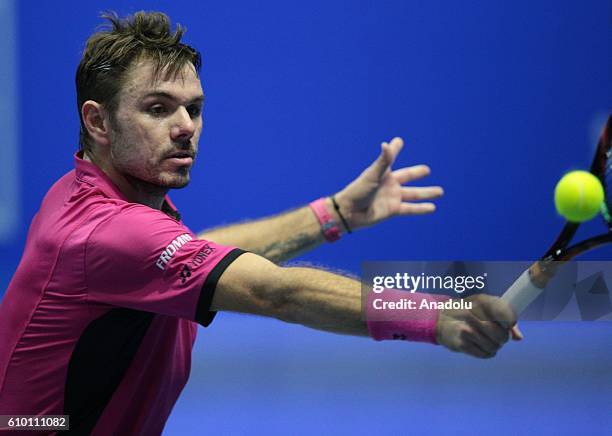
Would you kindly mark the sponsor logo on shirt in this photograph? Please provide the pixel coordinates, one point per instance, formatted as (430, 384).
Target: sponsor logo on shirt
(197, 260)
(171, 249)
(201, 256)
(185, 274)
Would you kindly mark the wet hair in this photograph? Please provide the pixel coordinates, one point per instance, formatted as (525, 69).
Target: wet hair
(110, 52)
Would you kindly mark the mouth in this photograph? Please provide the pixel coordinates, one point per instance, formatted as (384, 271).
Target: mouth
(181, 157)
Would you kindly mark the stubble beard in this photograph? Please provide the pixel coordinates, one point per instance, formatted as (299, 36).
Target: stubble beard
(148, 178)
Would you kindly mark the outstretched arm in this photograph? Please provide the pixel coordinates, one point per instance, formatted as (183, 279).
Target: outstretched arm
(330, 302)
(377, 194)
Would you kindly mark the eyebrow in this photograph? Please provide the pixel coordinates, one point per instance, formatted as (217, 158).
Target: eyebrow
(167, 95)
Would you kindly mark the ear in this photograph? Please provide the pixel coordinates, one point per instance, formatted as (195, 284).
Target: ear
(95, 118)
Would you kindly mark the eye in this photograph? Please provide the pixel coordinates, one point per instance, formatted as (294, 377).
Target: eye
(157, 110)
(194, 110)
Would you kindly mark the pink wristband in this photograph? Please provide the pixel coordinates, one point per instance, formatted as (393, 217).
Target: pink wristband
(329, 226)
(402, 315)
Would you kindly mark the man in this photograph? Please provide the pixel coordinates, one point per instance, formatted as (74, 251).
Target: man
(98, 321)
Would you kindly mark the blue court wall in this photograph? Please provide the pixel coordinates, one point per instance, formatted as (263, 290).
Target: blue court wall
(499, 98)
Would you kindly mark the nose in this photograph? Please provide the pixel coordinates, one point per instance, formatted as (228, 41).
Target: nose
(183, 127)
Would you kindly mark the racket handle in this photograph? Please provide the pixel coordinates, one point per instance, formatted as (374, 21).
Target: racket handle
(521, 293)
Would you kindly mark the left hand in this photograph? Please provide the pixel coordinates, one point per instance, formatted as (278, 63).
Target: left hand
(379, 193)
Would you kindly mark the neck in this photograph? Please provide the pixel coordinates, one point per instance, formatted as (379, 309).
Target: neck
(135, 190)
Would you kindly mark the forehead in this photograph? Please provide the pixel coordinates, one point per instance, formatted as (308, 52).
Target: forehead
(140, 80)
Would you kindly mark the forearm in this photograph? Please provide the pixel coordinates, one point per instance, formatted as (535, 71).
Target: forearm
(322, 300)
(277, 238)
(307, 296)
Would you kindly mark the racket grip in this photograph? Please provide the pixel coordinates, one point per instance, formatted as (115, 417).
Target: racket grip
(521, 293)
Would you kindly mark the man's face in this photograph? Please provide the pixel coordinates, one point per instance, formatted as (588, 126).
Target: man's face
(156, 128)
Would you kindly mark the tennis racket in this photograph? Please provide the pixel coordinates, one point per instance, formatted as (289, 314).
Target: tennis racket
(534, 280)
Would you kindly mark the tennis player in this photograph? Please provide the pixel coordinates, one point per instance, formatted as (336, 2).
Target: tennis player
(99, 320)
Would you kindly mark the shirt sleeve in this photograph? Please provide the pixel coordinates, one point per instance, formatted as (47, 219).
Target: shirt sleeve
(142, 259)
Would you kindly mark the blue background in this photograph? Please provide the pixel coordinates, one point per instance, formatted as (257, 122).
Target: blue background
(499, 98)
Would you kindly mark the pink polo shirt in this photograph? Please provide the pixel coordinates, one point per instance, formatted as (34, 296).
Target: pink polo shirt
(98, 320)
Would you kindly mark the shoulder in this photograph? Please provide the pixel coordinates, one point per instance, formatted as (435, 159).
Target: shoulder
(131, 226)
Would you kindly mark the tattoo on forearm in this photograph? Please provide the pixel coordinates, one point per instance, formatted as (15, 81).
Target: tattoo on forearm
(285, 250)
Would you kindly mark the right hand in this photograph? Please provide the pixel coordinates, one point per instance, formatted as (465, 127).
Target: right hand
(480, 331)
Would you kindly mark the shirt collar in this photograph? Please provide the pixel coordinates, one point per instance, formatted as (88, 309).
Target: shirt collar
(93, 175)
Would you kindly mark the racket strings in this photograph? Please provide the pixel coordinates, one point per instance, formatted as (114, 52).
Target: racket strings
(606, 206)
(605, 146)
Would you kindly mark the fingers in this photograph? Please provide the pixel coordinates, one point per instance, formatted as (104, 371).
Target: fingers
(494, 309)
(416, 208)
(413, 193)
(408, 174)
(489, 335)
(480, 331)
(476, 351)
(388, 153)
(396, 146)
(484, 339)
(416, 193)
(489, 320)
(517, 334)
(465, 338)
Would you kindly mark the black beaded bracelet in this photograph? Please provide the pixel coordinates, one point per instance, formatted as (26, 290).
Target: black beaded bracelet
(346, 226)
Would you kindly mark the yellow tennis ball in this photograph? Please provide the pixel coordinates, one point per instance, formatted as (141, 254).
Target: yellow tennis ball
(578, 196)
